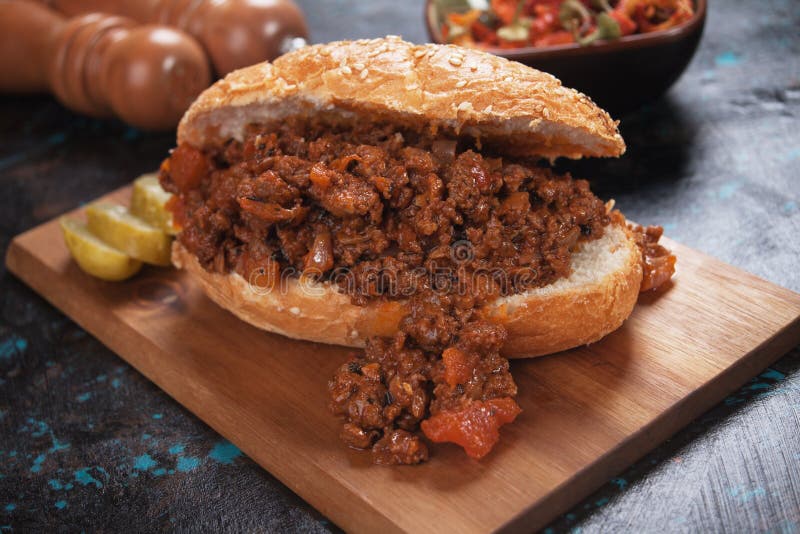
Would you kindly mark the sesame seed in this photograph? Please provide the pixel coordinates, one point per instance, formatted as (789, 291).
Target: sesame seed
(455, 61)
(461, 83)
(419, 53)
(412, 87)
(464, 106)
(294, 310)
(364, 74)
(325, 51)
(347, 70)
(291, 86)
(508, 79)
(546, 113)
(358, 66)
(488, 109)
(395, 37)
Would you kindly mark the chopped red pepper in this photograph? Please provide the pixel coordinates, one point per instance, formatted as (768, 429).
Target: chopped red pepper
(555, 38)
(505, 10)
(626, 25)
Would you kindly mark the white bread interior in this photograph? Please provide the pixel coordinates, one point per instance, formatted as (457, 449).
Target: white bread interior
(594, 300)
(515, 109)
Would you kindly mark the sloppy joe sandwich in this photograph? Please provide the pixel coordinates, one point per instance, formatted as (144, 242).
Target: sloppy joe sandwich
(397, 198)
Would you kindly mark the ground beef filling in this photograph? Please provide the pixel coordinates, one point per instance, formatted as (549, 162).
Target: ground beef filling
(392, 214)
(658, 263)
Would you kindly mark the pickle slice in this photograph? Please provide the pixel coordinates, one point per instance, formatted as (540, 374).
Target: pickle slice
(149, 203)
(95, 257)
(115, 225)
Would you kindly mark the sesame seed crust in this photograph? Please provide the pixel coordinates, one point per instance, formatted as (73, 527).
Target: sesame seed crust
(521, 111)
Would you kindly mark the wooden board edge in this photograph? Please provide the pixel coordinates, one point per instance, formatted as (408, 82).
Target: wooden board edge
(20, 261)
(586, 481)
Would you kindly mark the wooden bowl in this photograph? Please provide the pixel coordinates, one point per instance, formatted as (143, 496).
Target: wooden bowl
(619, 75)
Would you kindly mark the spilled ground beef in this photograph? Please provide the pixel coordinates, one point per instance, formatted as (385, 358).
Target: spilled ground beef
(386, 213)
(658, 263)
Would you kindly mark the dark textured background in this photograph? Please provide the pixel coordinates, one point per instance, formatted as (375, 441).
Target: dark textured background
(86, 443)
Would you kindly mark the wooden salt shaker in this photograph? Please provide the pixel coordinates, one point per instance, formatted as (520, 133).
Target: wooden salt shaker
(235, 33)
(101, 65)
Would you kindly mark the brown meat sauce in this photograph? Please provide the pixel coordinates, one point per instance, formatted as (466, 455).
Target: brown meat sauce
(392, 214)
(658, 263)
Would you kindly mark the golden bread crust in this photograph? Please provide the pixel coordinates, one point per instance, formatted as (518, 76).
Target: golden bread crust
(516, 109)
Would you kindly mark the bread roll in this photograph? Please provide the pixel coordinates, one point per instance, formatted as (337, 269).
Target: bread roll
(515, 110)
(518, 110)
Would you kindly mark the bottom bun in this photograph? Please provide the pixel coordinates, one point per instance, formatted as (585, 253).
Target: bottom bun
(593, 301)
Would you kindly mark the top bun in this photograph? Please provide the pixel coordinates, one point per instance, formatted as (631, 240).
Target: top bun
(517, 110)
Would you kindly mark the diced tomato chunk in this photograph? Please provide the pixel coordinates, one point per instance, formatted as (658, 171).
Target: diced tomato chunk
(178, 209)
(187, 167)
(320, 176)
(475, 427)
(457, 368)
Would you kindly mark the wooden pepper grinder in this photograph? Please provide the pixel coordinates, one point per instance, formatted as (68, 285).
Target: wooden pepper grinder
(235, 33)
(101, 65)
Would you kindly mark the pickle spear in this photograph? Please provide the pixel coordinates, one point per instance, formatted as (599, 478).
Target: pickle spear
(95, 257)
(140, 240)
(149, 203)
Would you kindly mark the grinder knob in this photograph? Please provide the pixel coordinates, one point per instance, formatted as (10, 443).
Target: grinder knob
(153, 75)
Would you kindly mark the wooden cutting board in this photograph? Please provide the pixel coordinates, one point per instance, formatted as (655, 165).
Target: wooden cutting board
(588, 413)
